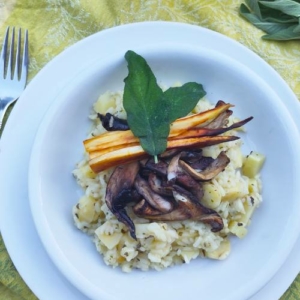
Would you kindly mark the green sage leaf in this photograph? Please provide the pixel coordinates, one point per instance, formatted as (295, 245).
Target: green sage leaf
(284, 34)
(147, 113)
(297, 28)
(150, 111)
(183, 99)
(268, 27)
(273, 15)
(288, 7)
(254, 6)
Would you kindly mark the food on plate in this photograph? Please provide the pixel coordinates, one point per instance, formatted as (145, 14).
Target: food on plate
(163, 196)
(253, 163)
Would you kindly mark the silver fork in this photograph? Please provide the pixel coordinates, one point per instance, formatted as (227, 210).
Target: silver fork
(13, 70)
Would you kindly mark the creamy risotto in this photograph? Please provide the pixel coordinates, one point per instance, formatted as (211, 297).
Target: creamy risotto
(232, 194)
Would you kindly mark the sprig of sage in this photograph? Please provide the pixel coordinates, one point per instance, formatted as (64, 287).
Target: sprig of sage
(150, 110)
(280, 19)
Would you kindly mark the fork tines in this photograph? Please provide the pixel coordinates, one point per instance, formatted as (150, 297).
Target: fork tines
(14, 68)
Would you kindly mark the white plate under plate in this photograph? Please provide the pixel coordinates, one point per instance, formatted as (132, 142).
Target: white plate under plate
(16, 224)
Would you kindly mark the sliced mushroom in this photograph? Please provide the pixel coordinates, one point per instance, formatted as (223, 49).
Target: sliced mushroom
(217, 166)
(160, 167)
(144, 208)
(118, 193)
(222, 119)
(202, 163)
(173, 168)
(188, 182)
(112, 123)
(159, 186)
(195, 159)
(188, 208)
(155, 200)
(191, 156)
(125, 197)
(177, 174)
(169, 153)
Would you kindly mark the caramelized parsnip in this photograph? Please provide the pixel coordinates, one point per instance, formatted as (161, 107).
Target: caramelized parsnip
(116, 138)
(101, 151)
(128, 154)
(201, 119)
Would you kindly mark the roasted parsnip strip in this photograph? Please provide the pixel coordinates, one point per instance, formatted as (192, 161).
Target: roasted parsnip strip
(197, 132)
(124, 155)
(191, 133)
(109, 139)
(115, 138)
(200, 142)
(101, 151)
(200, 120)
(117, 157)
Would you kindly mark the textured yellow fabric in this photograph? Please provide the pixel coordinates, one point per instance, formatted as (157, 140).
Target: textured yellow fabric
(12, 287)
(56, 24)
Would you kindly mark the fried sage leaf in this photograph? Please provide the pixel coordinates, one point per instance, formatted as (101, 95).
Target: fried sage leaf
(143, 100)
(150, 111)
(183, 99)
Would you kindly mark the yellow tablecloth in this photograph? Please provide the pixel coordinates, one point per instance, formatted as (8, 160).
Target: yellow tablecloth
(56, 24)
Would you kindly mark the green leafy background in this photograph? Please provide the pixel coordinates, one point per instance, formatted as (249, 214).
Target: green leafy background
(280, 19)
(56, 24)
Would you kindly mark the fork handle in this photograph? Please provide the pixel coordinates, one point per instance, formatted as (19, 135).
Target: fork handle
(3, 108)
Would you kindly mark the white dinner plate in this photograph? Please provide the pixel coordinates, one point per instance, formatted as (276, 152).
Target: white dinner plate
(58, 146)
(16, 224)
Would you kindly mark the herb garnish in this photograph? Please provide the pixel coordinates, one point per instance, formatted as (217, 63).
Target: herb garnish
(150, 110)
(280, 19)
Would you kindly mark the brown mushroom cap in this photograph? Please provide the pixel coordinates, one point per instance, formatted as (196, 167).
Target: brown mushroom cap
(218, 165)
(159, 185)
(188, 208)
(157, 201)
(118, 192)
(189, 183)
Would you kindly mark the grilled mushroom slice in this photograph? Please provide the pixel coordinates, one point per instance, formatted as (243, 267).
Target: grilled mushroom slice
(143, 208)
(202, 163)
(191, 156)
(189, 183)
(160, 167)
(173, 168)
(159, 185)
(155, 200)
(119, 193)
(195, 159)
(112, 123)
(220, 121)
(188, 208)
(217, 166)
(169, 153)
(178, 175)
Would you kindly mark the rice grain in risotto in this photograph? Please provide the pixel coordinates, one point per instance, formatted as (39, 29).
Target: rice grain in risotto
(163, 244)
